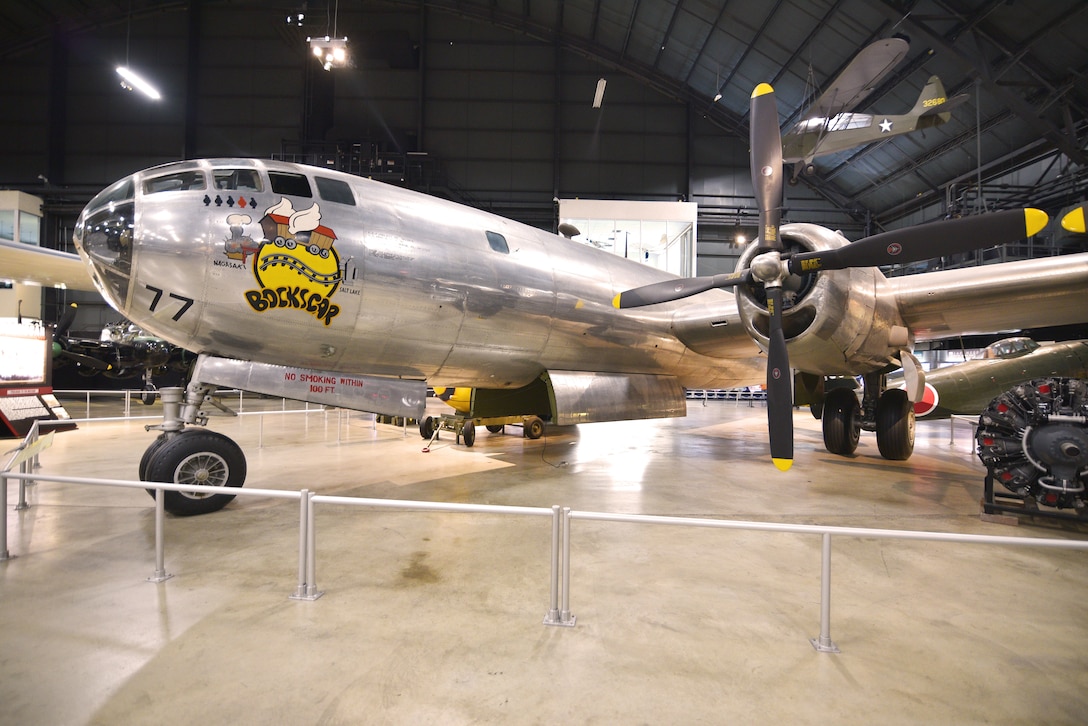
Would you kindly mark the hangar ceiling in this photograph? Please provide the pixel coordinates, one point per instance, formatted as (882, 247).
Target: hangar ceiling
(1024, 64)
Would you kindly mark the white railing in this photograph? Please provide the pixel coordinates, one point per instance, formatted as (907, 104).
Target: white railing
(128, 394)
(342, 414)
(559, 612)
(971, 421)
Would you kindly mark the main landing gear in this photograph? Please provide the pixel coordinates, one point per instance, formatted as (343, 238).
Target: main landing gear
(191, 455)
(885, 411)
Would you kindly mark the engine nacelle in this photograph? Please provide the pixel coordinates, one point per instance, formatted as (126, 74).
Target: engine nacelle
(835, 322)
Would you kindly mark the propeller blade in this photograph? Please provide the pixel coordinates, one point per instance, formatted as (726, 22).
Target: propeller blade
(767, 171)
(86, 360)
(925, 242)
(670, 290)
(65, 321)
(1073, 221)
(779, 386)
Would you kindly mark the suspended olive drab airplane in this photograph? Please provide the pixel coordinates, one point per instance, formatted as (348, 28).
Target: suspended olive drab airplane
(967, 388)
(829, 126)
(321, 286)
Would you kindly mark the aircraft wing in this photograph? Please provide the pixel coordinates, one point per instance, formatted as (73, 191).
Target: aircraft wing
(51, 268)
(993, 298)
(859, 78)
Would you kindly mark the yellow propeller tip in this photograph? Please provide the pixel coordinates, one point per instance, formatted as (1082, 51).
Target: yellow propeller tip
(1034, 220)
(1074, 221)
(616, 301)
(762, 89)
(782, 464)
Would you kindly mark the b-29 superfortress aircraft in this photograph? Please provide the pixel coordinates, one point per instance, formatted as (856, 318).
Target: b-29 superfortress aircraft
(322, 286)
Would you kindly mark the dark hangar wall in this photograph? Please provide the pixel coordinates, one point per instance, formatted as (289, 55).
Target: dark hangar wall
(505, 118)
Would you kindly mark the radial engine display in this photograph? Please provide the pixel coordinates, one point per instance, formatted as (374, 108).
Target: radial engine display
(1033, 439)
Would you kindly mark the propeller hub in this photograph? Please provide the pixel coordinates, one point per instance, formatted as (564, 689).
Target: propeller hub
(767, 268)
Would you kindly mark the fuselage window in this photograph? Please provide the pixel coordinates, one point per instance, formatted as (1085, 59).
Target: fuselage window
(498, 242)
(292, 185)
(334, 190)
(177, 182)
(242, 180)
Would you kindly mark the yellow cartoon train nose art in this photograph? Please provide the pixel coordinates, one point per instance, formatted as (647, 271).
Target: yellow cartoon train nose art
(296, 266)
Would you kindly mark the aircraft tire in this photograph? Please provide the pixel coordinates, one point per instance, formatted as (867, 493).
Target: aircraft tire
(196, 456)
(149, 452)
(149, 394)
(841, 421)
(426, 427)
(496, 428)
(468, 433)
(534, 427)
(895, 425)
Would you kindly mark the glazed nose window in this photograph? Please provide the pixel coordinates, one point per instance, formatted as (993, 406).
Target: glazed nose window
(107, 240)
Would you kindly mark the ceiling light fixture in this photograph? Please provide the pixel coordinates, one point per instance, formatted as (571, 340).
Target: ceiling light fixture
(130, 80)
(598, 97)
(330, 51)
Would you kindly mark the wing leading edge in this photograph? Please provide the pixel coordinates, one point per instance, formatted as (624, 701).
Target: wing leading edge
(1009, 296)
(41, 266)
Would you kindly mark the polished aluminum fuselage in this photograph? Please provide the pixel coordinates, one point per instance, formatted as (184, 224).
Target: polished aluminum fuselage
(382, 281)
(422, 292)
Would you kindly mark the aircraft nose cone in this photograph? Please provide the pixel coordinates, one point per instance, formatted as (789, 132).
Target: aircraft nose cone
(104, 234)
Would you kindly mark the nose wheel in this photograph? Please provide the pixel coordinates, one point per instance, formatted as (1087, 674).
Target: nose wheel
(194, 456)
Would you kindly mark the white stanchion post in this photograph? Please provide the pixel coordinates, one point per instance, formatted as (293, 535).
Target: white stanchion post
(823, 644)
(21, 504)
(160, 549)
(565, 617)
(552, 618)
(303, 538)
(4, 554)
(35, 432)
(312, 593)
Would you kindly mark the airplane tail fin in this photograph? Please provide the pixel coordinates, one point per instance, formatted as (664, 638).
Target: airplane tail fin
(932, 96)
(933, 107)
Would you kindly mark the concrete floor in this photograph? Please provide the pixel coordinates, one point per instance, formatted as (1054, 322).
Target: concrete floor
(434, 618)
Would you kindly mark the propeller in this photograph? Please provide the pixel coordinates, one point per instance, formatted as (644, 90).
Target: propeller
(771, 267)
(1073, 221)
(59, 349)
(65, 321)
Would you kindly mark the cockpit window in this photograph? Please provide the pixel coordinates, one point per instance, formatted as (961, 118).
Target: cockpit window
(498, 242)
(1010, 348)
(243, 180)
(334, 190)
(177, 182)
(119, 192)
(292, 185)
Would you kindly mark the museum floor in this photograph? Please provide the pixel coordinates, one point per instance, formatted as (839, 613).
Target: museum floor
(437, 618)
